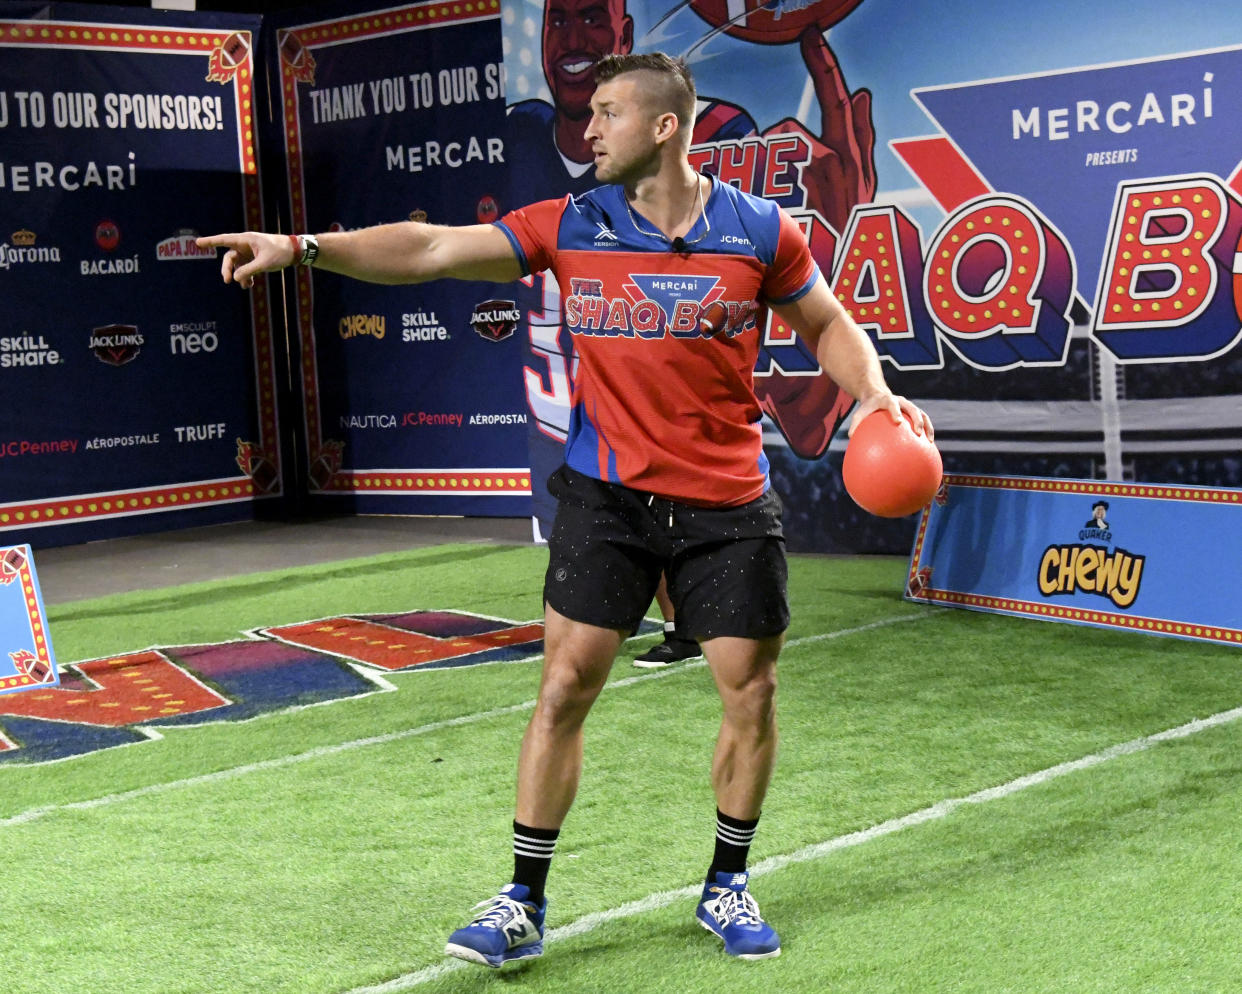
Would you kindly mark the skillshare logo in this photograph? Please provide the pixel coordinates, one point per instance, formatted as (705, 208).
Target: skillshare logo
(1084, 567)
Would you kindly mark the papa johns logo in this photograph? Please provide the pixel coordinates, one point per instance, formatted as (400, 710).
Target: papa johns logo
(1092, 569)
(495, 320)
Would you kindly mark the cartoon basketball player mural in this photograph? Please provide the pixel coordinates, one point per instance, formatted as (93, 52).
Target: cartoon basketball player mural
(551, 156)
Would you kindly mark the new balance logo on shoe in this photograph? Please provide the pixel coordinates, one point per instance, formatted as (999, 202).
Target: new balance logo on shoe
(509, 928)
(519, 931)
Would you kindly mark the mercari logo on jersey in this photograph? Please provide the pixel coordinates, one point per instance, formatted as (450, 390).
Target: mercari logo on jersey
(657, 304)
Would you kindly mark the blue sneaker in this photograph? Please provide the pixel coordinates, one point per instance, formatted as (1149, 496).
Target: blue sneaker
(728, 910)
(511, 928)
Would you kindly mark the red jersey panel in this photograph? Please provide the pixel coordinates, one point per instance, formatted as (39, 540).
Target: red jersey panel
(663, 397)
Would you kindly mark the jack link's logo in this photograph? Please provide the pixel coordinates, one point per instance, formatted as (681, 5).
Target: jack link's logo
(684, 306)
(495, 320)
(116, 344)
(1092, 569)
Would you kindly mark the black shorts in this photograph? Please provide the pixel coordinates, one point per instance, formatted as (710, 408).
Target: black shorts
(609, 544)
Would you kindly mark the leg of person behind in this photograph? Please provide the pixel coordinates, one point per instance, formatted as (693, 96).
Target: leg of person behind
(577, 658)
(677, 645)
(745, 675)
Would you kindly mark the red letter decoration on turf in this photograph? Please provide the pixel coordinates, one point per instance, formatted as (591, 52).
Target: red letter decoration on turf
(127, 698)
(424, 639)
(126, 690)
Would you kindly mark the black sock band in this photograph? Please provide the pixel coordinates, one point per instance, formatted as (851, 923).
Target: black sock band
(532, 856)
(733, 839)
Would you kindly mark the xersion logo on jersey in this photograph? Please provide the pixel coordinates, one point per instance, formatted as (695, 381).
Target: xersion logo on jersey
(680, 305)
(605, 237)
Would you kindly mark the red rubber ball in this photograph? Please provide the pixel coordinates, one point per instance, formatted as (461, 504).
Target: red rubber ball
(889, 470)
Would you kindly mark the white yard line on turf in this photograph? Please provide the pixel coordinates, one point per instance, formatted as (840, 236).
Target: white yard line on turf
(34, 814)
(942, 809)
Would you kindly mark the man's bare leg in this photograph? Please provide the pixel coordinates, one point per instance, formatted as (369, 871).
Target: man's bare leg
(577, 658)
(745, 673)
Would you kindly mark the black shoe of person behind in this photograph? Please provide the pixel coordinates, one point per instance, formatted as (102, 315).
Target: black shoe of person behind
(672, 650)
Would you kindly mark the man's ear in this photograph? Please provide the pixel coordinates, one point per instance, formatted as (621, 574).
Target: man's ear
(667, 126)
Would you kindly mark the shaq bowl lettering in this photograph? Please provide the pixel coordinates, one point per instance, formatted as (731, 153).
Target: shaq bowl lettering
(129, 697)
(683, 306)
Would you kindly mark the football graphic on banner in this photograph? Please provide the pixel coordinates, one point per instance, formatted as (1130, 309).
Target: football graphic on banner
(235, 50)
(773, 23)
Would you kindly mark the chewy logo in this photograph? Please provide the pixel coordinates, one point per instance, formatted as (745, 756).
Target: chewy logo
(1065, 569)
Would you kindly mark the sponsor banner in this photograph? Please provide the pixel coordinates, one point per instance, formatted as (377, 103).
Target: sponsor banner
(1157, 559)
(26, 659)
(134, 385)
(119, 505)
(440, 482)
(401, 112)
(1041, 242)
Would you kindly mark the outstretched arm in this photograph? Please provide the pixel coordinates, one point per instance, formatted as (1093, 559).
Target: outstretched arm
(408, 252)
(846, 354)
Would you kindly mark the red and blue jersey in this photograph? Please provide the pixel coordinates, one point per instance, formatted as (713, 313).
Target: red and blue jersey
(663, 398)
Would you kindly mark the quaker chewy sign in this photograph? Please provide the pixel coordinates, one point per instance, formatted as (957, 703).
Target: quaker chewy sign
(1158, 559)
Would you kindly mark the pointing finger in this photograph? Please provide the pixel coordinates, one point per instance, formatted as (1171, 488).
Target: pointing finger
(836, 109)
